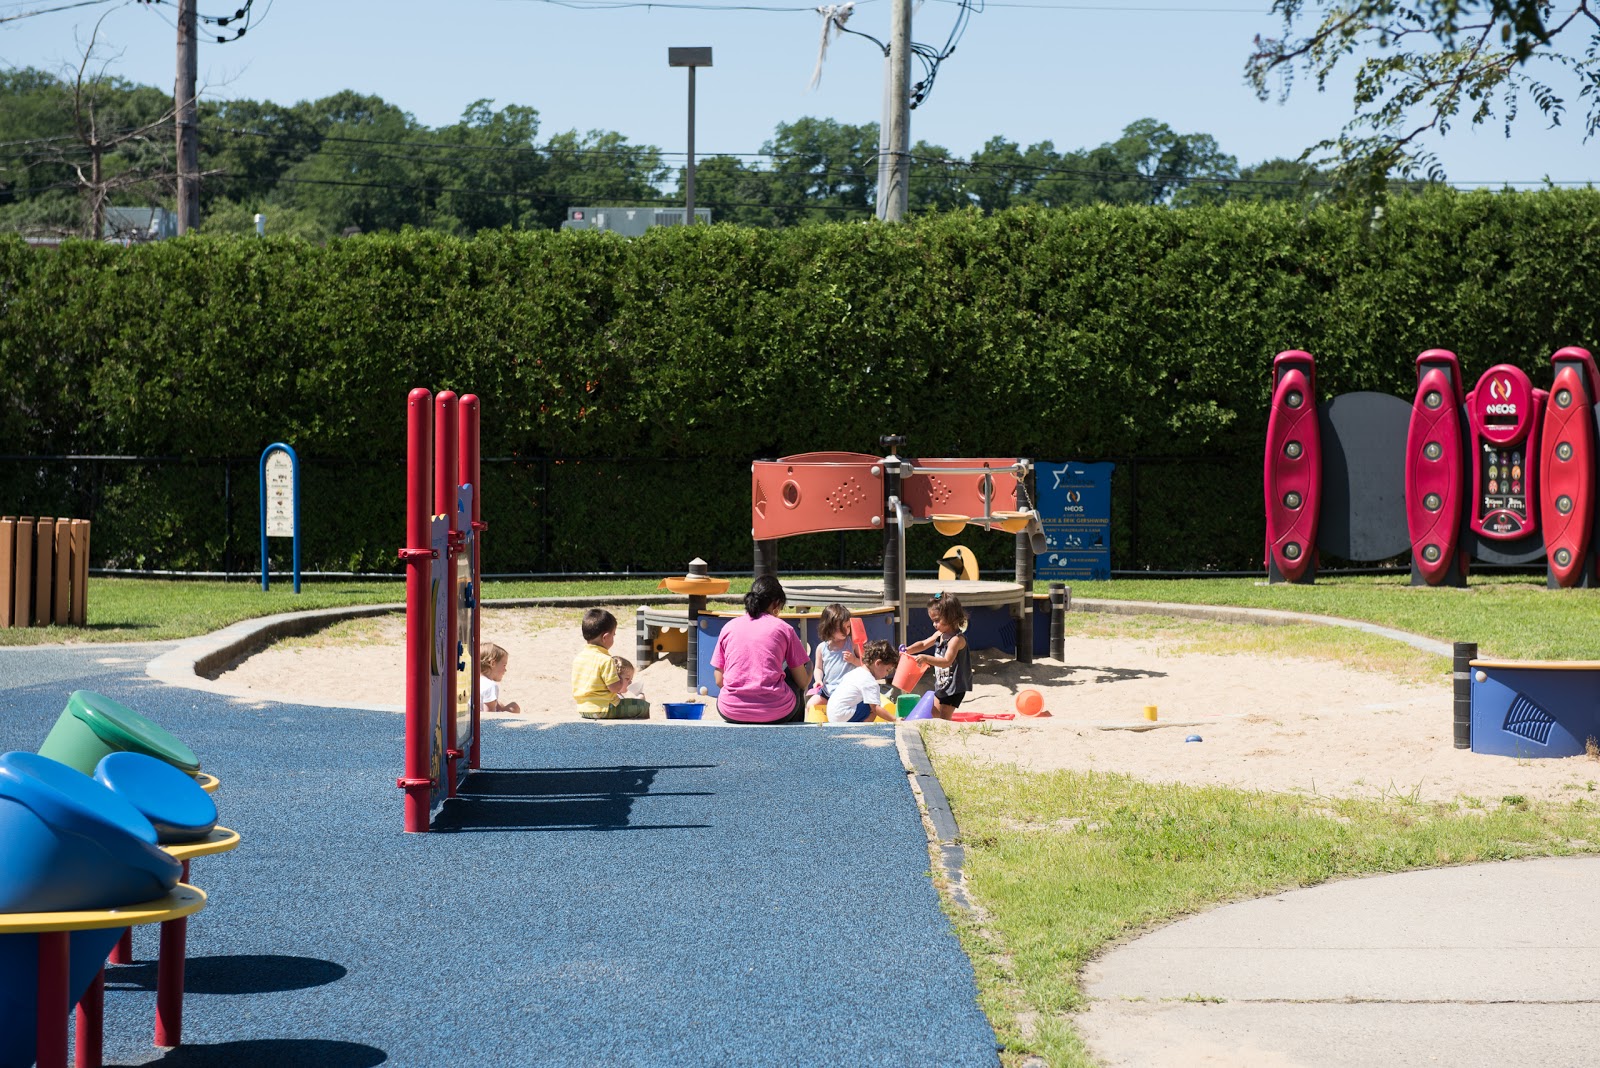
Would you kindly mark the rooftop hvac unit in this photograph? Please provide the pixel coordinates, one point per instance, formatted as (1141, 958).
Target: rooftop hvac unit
(629, 222)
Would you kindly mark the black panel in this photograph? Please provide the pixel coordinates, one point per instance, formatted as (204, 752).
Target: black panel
(1364, 476)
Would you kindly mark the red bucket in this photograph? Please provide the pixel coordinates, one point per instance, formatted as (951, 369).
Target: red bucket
(907, 674)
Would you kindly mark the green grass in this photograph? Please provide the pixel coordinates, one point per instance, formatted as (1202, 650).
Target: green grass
(1064, 863)
(1513, 617)
(129, 610)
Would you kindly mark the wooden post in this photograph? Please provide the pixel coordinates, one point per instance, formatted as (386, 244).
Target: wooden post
(43, 569)
(8, 553)
(80, 573)
(63, 581)
(22, 584)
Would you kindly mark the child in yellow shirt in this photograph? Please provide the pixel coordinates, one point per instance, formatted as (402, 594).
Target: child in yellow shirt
(596, 682)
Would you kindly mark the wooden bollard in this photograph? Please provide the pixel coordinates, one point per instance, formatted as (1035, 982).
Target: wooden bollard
(61, 603)
(79, 615)
(8, 549)
(44, 551)
(22, 580)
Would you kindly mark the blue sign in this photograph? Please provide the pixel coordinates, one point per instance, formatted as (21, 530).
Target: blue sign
(1075, 511)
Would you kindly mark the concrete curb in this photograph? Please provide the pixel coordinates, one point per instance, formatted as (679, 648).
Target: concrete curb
(190, 662)
(945, 841)
(1267, 616)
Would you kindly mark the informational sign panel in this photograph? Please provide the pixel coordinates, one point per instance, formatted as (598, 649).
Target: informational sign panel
(1075, 511)
(439, 697)
(466, 612)
(280, 503)
(280, 495)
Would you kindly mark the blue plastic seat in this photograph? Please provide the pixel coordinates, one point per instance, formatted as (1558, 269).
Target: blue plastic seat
(173, 802)
(67, 842)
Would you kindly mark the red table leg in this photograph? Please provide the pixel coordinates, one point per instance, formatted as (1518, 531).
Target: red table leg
(89, 1048)
(54, 989)
(169, 982)
(122, 952)
(169, 978)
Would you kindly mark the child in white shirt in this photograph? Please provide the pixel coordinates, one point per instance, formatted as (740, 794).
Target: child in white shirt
(492, 663)
(860, 685)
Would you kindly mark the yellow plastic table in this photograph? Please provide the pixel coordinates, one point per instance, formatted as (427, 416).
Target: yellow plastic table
(54, 930)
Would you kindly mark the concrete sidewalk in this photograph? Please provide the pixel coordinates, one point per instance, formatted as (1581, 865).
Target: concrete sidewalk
(1484, 966)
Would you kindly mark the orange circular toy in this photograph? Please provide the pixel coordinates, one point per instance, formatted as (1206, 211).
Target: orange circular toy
(1030, 702)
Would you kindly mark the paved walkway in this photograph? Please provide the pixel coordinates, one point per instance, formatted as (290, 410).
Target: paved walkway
(1485, 966)
(603, 894)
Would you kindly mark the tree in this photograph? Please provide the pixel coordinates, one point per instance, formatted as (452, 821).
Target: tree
(822, 170)
(1427, 63)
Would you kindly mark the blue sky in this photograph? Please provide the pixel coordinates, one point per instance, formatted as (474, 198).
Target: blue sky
(1072, 73)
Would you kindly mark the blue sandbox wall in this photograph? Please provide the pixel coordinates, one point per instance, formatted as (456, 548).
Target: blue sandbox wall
(1535, 711)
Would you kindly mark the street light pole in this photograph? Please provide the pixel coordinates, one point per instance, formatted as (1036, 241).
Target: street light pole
(691, 58)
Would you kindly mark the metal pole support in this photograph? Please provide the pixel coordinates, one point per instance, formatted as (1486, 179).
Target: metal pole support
(1465, 654)
(766, 558)
(1060, 598)
(697, 604)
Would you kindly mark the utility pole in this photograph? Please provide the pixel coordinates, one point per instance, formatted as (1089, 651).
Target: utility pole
(188, 121)
(894, 199)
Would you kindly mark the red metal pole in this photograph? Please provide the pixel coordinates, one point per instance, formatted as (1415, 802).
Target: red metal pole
(445, 418)
(416, 554)
(169, 978)
(54, 990)
(88, 1051)
(470, 471)
(122, 952)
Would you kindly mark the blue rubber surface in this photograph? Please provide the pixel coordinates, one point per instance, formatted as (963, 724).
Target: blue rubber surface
(613, 894)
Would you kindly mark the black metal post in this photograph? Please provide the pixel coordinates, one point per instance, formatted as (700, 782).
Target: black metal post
(1060, 596)
(1465, 654)
(227, 519)
(766, 558)
(893, 592)
(697, 604)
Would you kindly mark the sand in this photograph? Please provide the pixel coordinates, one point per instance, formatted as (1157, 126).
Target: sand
(1269, 723)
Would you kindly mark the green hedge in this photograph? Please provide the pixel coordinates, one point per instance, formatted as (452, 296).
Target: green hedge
(1089, 334)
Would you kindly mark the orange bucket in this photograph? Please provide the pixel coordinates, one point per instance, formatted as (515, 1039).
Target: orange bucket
(907, 674)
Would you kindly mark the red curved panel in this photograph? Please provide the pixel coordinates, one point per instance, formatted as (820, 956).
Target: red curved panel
(829, 458)
(811, 498)
(1434, 480)
(940, 494)
(1292, 470)
(1567, 459)
(1505, 415)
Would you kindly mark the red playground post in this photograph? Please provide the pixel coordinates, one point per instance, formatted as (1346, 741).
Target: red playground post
(418, 557)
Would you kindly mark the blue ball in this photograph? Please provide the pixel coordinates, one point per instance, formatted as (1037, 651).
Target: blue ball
(1194, 738)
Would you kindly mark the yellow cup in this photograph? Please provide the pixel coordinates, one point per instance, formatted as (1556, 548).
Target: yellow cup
(1150, 712)
(817, 714)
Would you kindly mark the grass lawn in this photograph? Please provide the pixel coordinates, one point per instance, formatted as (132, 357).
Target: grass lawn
(137, 610)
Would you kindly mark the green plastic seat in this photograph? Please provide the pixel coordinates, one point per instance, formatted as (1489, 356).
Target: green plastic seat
(93, 726)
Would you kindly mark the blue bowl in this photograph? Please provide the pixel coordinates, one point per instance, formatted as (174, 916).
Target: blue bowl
(684, 709)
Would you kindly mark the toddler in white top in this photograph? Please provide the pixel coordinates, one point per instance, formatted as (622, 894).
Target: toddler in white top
(492, 663)
(860, 685)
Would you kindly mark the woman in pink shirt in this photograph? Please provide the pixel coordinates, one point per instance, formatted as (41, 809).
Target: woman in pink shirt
(760, 663)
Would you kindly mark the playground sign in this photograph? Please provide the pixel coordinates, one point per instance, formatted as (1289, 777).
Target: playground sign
(280, 503)
(1075, 511)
